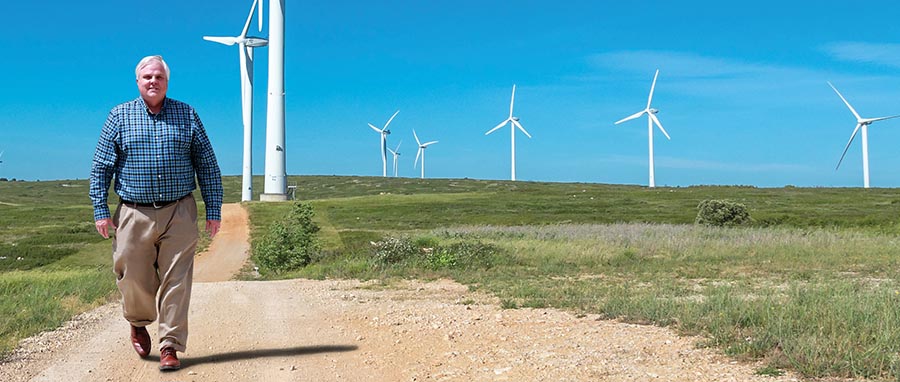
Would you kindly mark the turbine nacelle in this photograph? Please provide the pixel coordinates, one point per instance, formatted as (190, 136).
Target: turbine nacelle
(515, 119)
(255, 42)
(653, 111)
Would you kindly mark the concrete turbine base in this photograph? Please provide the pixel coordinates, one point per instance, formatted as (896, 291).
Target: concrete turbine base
(273, 197)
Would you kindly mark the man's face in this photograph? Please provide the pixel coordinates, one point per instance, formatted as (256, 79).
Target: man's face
(152, 83)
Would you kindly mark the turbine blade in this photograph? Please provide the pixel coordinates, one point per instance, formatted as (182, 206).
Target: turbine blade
(416, 163)
(848, 146)
(519, 125)
(512, 100)
(221, 40)
(429, 143)
(374, 128)
(630, 117)
(247, 23)
(653, 86)
(855, 114)
(883, 118)
(392, 151)
(392, 118)
(260, 14)
(656, 120)
(498, 126)
(417, 139)
(398, 145)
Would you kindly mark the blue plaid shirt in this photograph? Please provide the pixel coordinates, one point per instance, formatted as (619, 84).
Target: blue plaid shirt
(154, 157)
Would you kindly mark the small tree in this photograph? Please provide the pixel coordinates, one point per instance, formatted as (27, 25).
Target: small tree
(722, 213)
(291, 243)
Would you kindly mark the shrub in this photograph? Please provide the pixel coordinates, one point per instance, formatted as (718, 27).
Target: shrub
(463, 255)
(291, 243)
(394, 250)
(722, 213)
(427, 252)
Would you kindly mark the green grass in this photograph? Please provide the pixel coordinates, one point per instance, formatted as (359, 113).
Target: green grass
(822, 302)
(812, 285)
(53, 264)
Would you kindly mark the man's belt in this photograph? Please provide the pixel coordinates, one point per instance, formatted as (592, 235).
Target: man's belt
(156, 205)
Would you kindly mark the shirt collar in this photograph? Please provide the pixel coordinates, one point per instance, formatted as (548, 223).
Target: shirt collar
(162, 110)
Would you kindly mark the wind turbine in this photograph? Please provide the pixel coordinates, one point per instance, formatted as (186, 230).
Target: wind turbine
(396, 153)
(422, 147)
(514, 123)
(651, 119)
(384, 133)
(276, 171)
(245, 51)
(864, 124)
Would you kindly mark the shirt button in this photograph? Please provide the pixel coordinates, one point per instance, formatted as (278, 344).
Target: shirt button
(160, 176)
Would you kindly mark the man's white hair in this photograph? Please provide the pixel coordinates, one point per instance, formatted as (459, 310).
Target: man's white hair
(147, 61)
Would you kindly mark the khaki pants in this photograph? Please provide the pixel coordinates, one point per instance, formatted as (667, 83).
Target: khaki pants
(153, 259)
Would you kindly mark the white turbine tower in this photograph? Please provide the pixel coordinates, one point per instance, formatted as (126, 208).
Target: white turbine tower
(384, 133)
(514, 123)
(395, 152)
(245, 51)
(422, 147)
(864, 124)
(651, 119)
(275, 177)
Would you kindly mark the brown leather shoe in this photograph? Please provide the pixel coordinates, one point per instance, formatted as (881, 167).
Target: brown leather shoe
(140, 339)
(168, 360)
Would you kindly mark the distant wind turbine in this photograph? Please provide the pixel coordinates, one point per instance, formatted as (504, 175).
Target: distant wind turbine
(396, 153)
(514, 123)
(245, 51)
(421, 152)
(651, 119)
(384, 133)
(864, 124)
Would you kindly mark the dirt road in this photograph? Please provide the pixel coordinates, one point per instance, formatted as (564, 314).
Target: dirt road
(302, 330)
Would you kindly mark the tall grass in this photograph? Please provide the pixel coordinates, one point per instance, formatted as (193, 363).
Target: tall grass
(40, 300)
(822, 302)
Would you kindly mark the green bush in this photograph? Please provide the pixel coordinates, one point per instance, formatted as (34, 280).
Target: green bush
(427, 252)
(290, 243)
(722, 213)
(462, 255)
(393, 250)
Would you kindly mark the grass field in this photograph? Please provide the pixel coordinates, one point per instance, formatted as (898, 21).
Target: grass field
(811, 285)
(53, 264)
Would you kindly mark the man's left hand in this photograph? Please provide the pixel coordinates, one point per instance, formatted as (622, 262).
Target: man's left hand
(212, 227)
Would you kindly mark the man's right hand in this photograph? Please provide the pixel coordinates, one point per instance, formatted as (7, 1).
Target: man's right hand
(103, 226)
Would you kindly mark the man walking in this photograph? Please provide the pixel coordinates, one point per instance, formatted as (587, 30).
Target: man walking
(155, 147)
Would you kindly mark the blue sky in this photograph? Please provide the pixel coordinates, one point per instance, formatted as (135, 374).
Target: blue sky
(742, 86)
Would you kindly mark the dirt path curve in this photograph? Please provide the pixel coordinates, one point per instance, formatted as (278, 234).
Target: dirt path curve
(303, 330)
